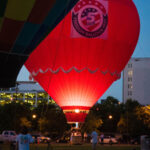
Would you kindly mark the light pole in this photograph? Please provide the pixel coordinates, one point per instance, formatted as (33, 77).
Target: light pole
(110, 117)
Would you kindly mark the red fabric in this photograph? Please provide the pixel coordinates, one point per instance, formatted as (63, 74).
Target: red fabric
(75, 117)
(109, 56)
(75, 107)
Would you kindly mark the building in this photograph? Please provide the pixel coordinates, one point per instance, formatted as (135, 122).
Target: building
(136, 80)
(26, 91)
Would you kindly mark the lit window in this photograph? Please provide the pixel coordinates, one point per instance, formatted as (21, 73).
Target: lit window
(130, 73)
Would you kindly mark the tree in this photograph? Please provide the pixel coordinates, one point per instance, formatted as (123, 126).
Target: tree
(129, 123)
(143, 114)
(51, 120)
(92, 122)
(111, 106)
(11, 115)
(122, 125)
(57, 123)
(25, 122)
(42, 122)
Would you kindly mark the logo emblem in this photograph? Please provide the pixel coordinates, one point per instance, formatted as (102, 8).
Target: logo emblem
(90, 18)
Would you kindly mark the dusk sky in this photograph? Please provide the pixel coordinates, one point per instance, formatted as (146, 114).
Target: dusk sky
(142, 48)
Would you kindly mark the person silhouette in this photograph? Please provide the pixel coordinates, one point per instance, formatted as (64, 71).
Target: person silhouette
(23, 139)
(94, 136)
(102, 138)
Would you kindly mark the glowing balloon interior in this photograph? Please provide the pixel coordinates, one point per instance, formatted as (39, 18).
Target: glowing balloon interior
(85, 54)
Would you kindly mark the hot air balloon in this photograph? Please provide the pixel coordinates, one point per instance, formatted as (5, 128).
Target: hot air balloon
(85, 54)
(23, 25)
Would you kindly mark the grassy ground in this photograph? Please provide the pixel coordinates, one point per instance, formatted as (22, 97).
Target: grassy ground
(75, 147)
(83, 147)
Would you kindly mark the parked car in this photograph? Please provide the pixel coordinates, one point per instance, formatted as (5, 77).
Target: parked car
(40, 138)
(135, 140)
(61, 141)
(64, 139)
(8, 136)
(109, 139)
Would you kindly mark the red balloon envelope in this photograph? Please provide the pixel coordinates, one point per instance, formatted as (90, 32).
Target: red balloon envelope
(85, 54)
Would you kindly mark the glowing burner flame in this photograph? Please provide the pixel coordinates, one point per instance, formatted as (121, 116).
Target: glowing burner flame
(77, 110)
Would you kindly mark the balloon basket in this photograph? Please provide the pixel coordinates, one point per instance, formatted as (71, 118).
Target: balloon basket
(76, 137)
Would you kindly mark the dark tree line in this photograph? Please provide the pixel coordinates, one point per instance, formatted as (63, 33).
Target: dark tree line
(49, 119)
(130, 118)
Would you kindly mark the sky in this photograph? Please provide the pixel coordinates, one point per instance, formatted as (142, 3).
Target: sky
(142, 49)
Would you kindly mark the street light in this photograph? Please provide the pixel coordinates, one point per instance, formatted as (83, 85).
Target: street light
(34, 116)
(110, 117)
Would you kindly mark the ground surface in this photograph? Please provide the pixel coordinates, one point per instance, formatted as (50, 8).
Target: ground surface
(83, 147)
(75, 147)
